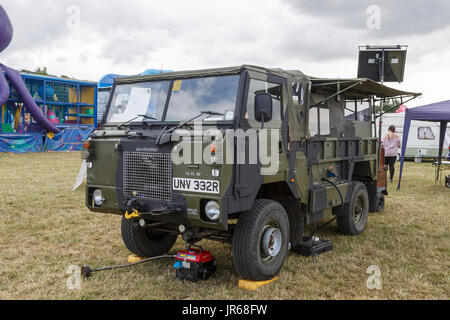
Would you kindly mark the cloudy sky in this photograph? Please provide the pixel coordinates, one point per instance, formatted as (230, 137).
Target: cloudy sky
(87, 39)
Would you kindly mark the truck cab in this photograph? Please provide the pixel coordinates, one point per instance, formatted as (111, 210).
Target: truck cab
(242, 155)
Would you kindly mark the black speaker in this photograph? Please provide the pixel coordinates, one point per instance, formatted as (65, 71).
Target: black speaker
(370, 63)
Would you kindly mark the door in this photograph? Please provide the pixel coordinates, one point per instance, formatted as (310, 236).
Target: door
(258, 158)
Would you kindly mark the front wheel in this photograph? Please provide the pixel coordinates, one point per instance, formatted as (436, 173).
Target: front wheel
(146, 242)
(260, 241)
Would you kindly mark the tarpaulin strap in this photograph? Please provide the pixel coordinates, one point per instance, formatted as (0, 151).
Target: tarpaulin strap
(134, 214)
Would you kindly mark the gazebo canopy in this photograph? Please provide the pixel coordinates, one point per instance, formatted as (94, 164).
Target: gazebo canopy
(438, 112)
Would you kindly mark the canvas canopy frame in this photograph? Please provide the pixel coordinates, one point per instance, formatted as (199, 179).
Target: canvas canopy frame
(436, 112)
(363, 90)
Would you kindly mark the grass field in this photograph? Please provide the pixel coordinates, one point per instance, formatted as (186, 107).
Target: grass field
(45, 228)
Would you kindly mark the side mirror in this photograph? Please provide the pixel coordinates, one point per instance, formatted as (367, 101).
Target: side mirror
(263, 107)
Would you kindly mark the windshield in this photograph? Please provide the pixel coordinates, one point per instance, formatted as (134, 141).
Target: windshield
(191, 96)
(188, 98)
(131, 100)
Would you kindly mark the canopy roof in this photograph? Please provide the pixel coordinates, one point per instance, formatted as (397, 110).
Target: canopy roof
(360, 88)
(439, 112)
(206, 73)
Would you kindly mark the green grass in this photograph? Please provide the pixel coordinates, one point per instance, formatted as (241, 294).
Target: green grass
(45, 228)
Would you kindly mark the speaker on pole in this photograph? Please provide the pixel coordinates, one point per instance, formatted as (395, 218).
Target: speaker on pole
(382, 63)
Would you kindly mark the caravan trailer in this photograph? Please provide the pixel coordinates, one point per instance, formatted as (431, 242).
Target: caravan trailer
(423, 137)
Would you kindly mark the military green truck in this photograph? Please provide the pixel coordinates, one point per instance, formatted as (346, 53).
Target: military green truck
(319, 163)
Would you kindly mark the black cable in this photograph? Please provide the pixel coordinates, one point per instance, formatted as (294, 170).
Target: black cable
(321, 226)
(334, 218)
(86, 271)
(339, 191)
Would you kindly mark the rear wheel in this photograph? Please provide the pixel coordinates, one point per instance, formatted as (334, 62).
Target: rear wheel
(260, 241)
(145, 242)
(356, 211)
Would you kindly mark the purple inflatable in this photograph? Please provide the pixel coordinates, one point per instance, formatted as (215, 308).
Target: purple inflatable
(6, 33)
(16, 80)
(4, 89)
(6, 30)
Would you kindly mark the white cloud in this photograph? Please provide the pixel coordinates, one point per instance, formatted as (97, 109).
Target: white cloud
(129, 37)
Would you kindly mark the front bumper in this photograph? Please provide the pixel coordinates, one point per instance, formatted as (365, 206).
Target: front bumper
(186, 209)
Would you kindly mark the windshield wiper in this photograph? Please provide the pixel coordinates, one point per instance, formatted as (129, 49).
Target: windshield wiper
(166, 134)
(137, 117)
(209, 113)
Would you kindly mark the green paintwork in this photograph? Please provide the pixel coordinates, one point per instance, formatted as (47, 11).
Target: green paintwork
(105, 154)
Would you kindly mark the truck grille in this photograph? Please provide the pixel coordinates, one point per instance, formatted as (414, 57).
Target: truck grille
(147, 175)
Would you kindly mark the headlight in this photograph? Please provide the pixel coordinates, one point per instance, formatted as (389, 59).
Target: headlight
(212, 210)
(98, 197)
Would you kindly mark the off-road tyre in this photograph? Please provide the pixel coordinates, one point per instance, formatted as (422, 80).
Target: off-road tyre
(356, 211)
(267, 220)
(145, 242)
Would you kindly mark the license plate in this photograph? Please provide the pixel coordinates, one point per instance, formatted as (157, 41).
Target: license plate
(196, 185)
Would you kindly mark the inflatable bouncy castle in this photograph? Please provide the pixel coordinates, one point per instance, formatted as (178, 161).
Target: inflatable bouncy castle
(40, 112)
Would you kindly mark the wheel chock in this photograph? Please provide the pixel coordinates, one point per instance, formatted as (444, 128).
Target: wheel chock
(253, 285)
(132, 258)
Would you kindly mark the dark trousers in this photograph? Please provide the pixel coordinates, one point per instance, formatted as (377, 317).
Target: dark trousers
(390, 161)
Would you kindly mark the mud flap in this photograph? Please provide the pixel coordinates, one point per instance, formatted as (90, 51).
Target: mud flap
(376, 197)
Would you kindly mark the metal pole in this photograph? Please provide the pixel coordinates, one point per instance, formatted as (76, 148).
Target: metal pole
(78, 104)
(380, 124)
(381, 109)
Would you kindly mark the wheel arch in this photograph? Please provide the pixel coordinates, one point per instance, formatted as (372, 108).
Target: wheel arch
(281, 193)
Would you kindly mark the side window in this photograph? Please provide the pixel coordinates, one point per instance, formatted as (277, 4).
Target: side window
(319, 121)
(298, 98)
(324, 127)
(298, 93)
(362, 108)
(313, 122)
(275, 90)
(425, 133)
